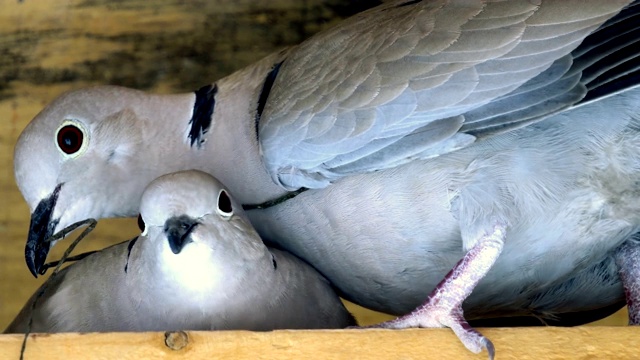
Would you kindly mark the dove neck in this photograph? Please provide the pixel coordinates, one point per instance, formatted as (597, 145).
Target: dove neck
(204, 274)
(226, 146)
(231, 151)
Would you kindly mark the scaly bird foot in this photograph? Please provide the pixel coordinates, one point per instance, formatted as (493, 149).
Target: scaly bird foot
(627, 256)
(444, 305)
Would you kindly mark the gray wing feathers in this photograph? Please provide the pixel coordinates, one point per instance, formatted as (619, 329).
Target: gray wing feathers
(433, 139)
(411, 80)
(608, 61)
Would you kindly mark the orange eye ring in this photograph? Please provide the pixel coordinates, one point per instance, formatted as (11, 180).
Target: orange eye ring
(70, 139)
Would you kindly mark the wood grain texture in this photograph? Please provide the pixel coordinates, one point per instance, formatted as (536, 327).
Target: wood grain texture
(423, 344)
(48, 47)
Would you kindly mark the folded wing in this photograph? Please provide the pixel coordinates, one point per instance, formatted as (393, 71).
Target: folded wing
(416, 79)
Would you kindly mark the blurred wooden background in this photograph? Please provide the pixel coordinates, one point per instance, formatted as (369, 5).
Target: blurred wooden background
(48, 47)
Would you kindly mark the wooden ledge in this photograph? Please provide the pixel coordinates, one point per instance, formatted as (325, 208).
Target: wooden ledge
(512, 343)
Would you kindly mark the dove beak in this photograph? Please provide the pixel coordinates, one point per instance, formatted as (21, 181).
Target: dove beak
(40, 230)
(177, 229)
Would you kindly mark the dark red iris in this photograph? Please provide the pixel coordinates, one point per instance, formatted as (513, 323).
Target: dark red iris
(70, 139)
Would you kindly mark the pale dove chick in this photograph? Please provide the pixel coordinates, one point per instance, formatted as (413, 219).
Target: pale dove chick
(391, 149)
(198, 265)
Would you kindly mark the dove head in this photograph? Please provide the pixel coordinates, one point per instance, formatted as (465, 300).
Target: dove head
(75, 160)
(197, 230)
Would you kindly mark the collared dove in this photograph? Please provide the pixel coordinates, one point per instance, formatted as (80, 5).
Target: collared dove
(198, 265)
(389, 150)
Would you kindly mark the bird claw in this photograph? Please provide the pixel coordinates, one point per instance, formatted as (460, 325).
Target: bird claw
(470, 337)
(434, 316)
(443, 307)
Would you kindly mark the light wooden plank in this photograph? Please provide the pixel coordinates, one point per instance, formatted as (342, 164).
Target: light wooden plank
(518, 343)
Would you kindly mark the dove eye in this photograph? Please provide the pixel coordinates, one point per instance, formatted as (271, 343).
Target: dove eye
(70, 138)
(141, 225)
(224, 205)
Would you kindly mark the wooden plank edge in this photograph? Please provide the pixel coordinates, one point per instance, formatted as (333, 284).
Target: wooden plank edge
(511, 343)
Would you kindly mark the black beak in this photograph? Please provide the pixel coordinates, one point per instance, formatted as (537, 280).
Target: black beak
(40, 230)
(177, 229)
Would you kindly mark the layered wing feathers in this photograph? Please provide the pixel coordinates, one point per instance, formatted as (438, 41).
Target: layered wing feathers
(417, 79)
